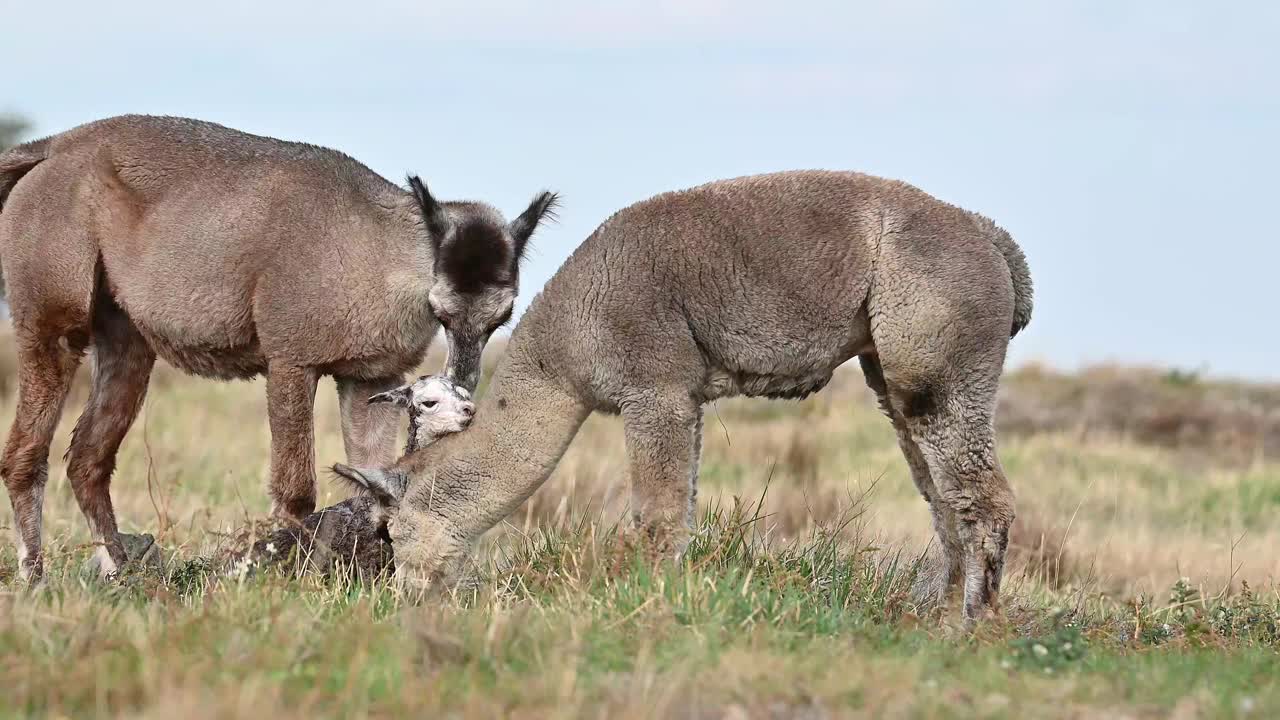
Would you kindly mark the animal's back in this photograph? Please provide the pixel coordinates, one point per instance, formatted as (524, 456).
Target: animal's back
(206, 233)
(175, 146)
(768, 275)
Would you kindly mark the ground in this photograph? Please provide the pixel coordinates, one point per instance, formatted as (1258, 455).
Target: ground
(1141, 582)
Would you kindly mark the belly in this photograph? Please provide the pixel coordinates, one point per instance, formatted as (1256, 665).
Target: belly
(721, 383)
(197, 315)
(775, 362)
(221, 362)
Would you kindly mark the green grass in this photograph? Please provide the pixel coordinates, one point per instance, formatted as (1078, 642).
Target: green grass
(575, 623)
(793, 604)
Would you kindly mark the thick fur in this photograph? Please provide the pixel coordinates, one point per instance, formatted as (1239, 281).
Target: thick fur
(353, 533)
(18, 162)
(758, 286)
(13, 166)
(229, 255)
(346, 536)
(436, 405)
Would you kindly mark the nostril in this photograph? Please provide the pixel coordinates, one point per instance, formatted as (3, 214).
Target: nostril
(468, 409)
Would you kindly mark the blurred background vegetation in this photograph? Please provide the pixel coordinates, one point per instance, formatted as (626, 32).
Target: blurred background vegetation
(12, 129)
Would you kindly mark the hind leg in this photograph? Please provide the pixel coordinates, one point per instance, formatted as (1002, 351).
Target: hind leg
(942, 571)
(46, 367)
(940, 314)
(122, 363)
(51, 268)
(958, 442)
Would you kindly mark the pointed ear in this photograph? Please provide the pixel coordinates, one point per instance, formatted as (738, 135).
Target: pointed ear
(433, 213)
(544, 206)
(385, 487)
(399, 397)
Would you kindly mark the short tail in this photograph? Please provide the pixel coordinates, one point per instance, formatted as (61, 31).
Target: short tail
(17, 162)
(1021, 276)
(14, 164)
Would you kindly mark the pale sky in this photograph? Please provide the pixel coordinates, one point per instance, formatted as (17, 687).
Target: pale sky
(1130, 147)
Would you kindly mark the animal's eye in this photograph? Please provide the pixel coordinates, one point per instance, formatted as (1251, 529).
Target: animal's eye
(430, 404)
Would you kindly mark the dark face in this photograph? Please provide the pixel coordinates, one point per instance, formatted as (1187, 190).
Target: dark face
(469, 320)
(477, 266)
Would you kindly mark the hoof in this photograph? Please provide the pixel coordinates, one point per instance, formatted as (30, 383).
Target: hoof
(140, 552)
(31, 572)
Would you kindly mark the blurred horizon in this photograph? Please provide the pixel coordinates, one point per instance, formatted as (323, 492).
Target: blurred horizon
(1127, 148)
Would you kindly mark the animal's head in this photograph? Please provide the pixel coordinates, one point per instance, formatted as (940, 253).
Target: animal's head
(386, 487)
(436, 405)
(430, 554)
(477, 267)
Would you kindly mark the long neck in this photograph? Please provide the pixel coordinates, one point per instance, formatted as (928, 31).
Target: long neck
(524, 424)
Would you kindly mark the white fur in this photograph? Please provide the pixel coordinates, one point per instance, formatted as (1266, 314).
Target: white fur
(23, 551)
(440, 406)
(22, 555)
(106, 566)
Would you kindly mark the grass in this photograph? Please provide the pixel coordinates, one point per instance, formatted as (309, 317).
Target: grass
(791, 602)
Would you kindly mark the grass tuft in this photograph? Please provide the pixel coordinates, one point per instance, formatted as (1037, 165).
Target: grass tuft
(793, 598)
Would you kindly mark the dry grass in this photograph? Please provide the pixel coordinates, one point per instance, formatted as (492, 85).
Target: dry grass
(1128, 480)
(1232, 422)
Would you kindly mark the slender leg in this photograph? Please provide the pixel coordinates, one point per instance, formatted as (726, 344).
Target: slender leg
(695, 466)
(958, 442)
(122, 364)
(940, 323)
(660, 453)
(942, 570)
(46, 366)
(368, 431)
(291, 395)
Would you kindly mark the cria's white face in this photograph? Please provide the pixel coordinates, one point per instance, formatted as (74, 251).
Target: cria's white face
(439, 406)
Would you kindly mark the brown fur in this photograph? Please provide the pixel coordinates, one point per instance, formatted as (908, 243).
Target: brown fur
(353, 534)
(228, 255)
(757, 286)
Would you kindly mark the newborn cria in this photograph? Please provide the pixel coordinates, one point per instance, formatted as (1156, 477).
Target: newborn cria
(353, 533)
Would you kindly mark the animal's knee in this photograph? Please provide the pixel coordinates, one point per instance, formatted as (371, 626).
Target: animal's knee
(90, 465)
(999, 501)
(26, 464)
(919, 401)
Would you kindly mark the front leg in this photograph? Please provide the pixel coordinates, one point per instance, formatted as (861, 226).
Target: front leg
(695, 465)
(368, 430)
(291, 396)
(661, 441)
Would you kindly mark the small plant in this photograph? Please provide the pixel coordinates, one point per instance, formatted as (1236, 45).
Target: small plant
(191, 577)
(1050, 653)
(1246, 616)
(1183, 598)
